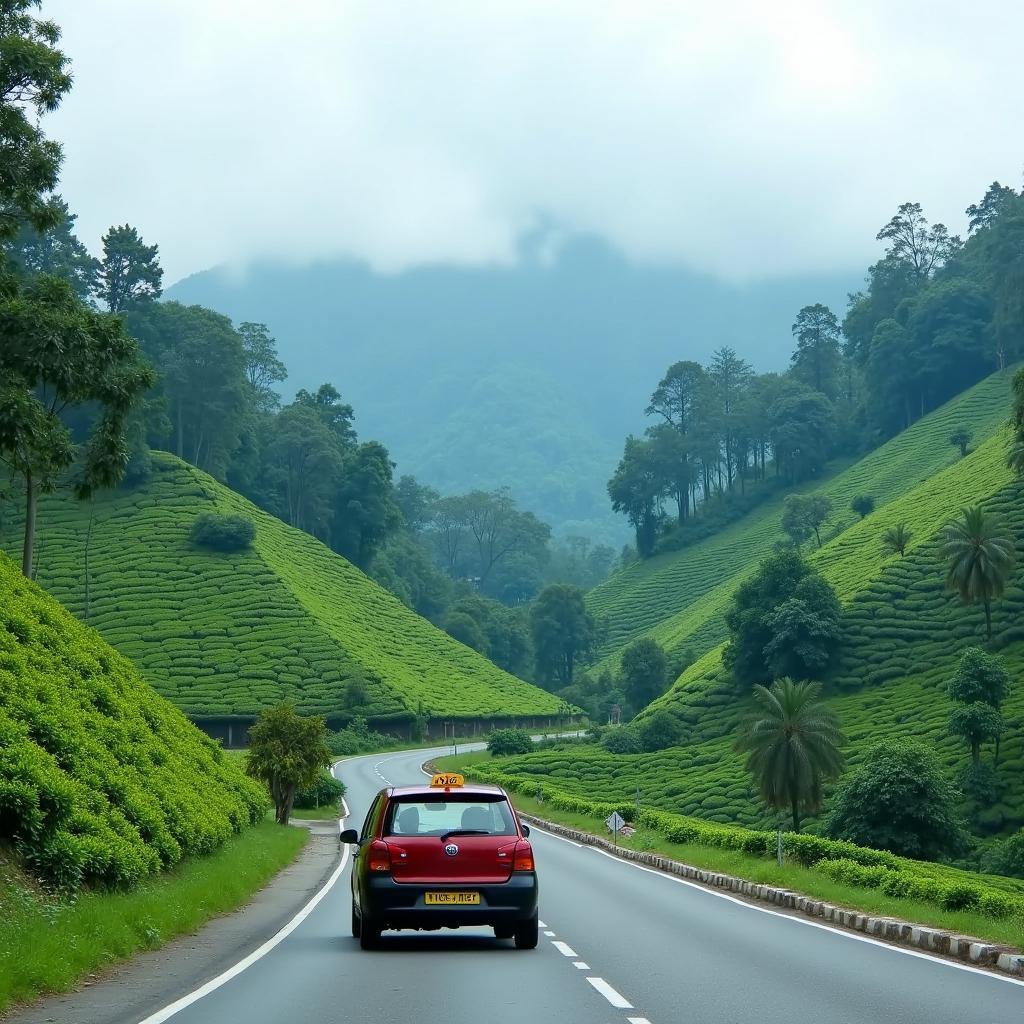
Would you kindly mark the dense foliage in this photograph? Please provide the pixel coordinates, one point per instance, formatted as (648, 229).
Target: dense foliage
(897, 800)
(101, 781)
(504, 742)
(222, 533)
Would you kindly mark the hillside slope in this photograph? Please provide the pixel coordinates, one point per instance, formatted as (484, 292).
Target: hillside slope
(679, 597)
(902, 634)
(225, 635)
(101, 780)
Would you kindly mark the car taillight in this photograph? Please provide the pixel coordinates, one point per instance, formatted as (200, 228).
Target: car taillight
(379, 856)
(523, 860)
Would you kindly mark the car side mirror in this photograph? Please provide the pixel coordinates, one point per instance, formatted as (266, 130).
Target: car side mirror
(350, 835)
(526, 830)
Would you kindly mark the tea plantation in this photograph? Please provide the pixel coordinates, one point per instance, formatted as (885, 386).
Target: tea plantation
(226, 634)
(902, 634)
(102, 781)
(678, 597)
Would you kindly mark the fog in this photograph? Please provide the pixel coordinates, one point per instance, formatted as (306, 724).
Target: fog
(741, 139)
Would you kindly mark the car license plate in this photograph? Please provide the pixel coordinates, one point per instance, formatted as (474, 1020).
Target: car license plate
(435, 899)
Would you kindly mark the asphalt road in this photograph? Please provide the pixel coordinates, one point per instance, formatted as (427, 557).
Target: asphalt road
(615, 934)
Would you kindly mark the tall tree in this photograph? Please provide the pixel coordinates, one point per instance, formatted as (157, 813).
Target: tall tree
(817, 357)
(793, 745)
(337, 415)
(56, 251)
(636, 490)
(130, 272)
(980, 556)
(729, 378)
(365, 513)
(675, 397)
(563, 632)
(58, 356)
(979, 687)
(914, 243)
(802, 431)
(34, 77)
(644, 672)
(263, 367)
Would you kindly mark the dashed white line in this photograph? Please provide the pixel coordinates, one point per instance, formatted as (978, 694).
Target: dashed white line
(581, 966)
(638, 1020)
(549, 934)
(564, 949)
(619, 1001)
(541, 924)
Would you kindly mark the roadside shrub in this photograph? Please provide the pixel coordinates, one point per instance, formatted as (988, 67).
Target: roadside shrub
(622, 740)
(327, 790)
(960, 896)
(998, 905)
(1006, 857)
(357, 738)
(506, 742)
(222, 533)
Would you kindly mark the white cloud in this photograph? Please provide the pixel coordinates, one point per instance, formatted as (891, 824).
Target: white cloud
(740, 137)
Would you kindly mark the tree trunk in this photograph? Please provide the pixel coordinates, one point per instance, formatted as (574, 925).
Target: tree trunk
(31, 499)
(817, 536)
(796, 815)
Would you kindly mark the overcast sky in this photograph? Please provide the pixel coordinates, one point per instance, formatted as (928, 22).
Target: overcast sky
(742, 138)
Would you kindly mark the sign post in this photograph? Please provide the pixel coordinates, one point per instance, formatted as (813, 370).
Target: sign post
(614, 821)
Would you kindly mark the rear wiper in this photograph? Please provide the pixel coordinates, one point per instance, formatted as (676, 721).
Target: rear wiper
(465, 832)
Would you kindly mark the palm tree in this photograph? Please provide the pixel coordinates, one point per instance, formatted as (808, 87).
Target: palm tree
(896, 539)
(980, 556)
(792, 744)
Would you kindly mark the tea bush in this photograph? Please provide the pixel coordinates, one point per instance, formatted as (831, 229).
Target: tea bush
(102, 782)
(222, 533)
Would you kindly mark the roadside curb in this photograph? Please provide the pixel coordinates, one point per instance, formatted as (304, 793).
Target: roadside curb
(971, 950)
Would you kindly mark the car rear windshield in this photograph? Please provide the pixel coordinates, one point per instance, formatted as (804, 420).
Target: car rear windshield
(448, 812)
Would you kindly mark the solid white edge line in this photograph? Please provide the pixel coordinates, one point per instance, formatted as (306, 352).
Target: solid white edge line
(619, 1001)
(564, 948)
(797, 919)
(257, 954)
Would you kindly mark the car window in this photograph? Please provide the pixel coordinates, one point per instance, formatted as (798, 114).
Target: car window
(429, 816)
(370, 816)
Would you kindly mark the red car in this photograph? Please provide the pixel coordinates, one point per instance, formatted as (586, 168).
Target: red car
(445, 855)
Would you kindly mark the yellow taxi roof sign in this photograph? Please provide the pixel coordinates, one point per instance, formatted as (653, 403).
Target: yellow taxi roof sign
(448, 780)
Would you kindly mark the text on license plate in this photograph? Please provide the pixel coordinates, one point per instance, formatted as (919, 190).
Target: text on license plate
(433, 899)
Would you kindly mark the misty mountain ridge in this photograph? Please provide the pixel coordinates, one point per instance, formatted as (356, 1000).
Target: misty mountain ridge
(528, 374)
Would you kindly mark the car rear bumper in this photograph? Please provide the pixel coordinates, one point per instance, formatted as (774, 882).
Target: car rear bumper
(394, 904)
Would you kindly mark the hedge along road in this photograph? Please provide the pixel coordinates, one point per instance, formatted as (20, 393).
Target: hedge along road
(620, 943)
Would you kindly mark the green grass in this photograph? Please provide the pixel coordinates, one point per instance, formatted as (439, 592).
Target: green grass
(799, 878)
(679, 597)
(325, 812)
(49, 945)
(230, 634)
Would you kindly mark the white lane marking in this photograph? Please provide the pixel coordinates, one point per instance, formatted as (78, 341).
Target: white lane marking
(545, 832)
(381, 775)
(620, 1002)
(541, 924)
(549, 934)
(581, 966)
(257, 954)
(841, 932)
(564, 949)
(638, 1020)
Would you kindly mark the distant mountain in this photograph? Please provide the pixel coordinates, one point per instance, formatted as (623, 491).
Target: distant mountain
(528, 375)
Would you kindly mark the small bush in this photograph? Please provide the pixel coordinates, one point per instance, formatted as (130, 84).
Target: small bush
(623, 740)
(327, 790)
(960, 896)
(222, 533)
(1006, 857)
(356, 738)
(506, 742)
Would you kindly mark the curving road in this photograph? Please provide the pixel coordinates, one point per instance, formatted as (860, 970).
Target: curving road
(621, 944)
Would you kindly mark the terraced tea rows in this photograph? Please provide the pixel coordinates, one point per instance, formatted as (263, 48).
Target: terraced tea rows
(646, 596)
(224, 635)
(902, 636)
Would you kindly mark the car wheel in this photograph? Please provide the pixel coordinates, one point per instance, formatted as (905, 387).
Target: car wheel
(369, 933)
(355, 922)
(504, 931)
(527, 933)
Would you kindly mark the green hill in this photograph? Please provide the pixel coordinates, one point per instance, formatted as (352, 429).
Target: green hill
(224, 635)
(902, 634)
(679, 598)
(101, 780)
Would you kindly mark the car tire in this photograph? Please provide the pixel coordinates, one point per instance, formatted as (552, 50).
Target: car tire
(527, 933)
(504, 931)
(356, 923)
(369, 933)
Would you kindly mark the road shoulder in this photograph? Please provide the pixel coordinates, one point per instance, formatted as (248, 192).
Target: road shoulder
(132, 990)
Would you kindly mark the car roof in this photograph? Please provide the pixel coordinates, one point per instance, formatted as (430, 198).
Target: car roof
(476, 788)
